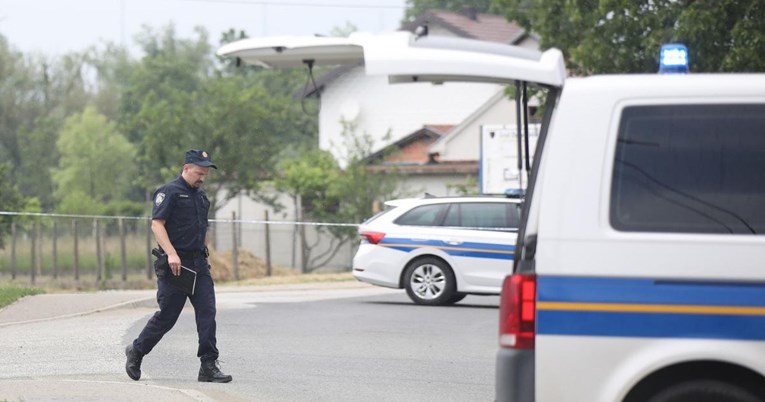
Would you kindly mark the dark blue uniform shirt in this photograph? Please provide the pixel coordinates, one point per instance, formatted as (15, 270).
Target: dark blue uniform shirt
(184, 210)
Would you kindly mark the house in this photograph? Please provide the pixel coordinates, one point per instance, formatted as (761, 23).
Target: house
(389, 113)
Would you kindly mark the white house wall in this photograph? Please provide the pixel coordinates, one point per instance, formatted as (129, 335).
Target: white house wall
(377, 108)
(465, 144)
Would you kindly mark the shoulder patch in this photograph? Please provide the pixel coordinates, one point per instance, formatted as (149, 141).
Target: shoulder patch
(158, 200)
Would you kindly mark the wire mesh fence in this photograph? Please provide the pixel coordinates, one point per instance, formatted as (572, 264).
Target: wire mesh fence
(81, 251)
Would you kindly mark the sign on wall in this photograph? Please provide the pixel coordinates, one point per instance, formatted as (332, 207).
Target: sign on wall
(499, 168)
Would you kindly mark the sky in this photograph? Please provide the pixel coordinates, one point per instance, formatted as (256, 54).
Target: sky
(55, 27)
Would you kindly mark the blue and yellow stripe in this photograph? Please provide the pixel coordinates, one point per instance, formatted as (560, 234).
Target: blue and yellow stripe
(467, 249)
(643, 307)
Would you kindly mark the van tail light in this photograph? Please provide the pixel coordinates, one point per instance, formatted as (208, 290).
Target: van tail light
(517, 312)
(373, 237)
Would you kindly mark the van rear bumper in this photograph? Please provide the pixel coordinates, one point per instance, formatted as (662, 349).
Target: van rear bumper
(515, 375)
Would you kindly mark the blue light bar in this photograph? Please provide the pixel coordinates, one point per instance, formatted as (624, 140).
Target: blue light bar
(673, 59)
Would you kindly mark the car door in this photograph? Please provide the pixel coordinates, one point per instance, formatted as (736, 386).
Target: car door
(480, 237)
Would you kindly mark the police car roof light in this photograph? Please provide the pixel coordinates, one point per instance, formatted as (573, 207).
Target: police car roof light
(673, 59)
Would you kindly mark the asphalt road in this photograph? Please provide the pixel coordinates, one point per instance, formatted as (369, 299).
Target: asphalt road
(374, 346)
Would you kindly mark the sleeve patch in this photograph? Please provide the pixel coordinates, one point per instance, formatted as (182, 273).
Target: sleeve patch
(159, 198)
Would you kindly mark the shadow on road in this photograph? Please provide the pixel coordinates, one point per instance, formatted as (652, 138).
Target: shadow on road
(401, 303)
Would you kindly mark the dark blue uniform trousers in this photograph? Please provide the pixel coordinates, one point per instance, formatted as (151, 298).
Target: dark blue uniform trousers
(171, 301)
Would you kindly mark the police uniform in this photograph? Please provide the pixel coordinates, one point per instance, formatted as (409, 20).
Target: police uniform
(184, 209)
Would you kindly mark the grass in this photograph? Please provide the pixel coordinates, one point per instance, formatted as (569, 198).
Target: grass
(10, 294)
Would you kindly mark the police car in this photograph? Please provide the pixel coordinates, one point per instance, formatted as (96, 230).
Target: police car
(640, 274)
(439, 249)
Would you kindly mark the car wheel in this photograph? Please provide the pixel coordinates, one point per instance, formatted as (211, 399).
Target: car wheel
(430, 281)
(704, 391)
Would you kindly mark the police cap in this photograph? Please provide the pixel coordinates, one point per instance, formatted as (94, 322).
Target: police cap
(199, 158)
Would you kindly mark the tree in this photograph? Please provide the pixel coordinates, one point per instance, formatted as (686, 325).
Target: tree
(308, 179)
(97, 164)
(36, 95)
(624, 36)
(22, 105)
(170, 66)
(175, 99)
(328, 193)
(416, 7)
(10, 200)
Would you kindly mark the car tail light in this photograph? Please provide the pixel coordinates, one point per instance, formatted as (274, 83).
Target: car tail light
(517, 312)
(373, 237)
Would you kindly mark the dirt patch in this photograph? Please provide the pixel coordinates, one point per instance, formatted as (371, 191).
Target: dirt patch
(249, 266)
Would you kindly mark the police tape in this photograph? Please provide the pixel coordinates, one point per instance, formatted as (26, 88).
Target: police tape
(248, 221)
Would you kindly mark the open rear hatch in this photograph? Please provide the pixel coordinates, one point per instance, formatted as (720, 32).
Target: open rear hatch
(406, 57)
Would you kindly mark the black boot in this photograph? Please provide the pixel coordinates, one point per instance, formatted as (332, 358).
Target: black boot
(133, 365)
(209, 372)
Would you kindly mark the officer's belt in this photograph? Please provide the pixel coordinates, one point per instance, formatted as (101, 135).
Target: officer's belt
(191, 254)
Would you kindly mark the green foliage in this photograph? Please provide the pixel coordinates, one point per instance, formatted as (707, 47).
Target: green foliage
(91, 151)
(10, 200)
(36, 94)
(39, 155)
(331, 194)
(467, 187)
(20, 104)
(78, 202)
(10, 294)
(726, 35)
(174, 101)
(170, 67)
(624, 36)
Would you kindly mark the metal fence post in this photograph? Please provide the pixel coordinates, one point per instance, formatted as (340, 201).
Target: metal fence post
(33, 255)
(234, 249)
(13, 250)
(76, 261)
(123, 255)
(54, 240)
(268, 247)
(99, 255)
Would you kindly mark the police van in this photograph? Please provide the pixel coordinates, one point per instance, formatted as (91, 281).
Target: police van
(639, 272)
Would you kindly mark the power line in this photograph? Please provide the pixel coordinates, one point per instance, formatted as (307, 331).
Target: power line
(299, 4)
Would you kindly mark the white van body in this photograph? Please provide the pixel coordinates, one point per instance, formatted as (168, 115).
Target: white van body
(639, 264)
(616, 306)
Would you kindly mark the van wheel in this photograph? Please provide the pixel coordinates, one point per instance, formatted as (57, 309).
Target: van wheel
(705, 391)
(430, 281)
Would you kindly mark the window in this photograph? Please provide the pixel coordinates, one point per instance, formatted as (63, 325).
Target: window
(425, 215)
(690, 168)
(494, 215)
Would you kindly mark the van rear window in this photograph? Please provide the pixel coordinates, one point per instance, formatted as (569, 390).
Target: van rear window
(690, 169)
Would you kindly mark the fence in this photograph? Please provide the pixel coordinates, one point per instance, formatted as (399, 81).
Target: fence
(85, 251)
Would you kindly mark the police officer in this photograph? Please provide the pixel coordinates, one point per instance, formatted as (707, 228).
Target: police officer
(179, 223)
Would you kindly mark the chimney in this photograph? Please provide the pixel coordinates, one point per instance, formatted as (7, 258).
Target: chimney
(470, 12)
